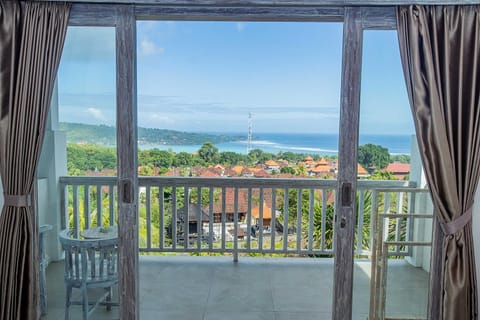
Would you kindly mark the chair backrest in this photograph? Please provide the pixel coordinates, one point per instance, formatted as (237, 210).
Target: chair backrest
(90, 262)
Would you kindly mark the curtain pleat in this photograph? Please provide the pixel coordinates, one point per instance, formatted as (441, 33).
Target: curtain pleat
(440, 51)
(31, 41)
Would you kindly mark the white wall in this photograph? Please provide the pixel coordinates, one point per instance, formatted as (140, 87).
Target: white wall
(423, 204)
(423, 259)
(52, 165)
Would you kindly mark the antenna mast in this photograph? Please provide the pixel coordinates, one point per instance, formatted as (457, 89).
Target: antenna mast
(249, 139)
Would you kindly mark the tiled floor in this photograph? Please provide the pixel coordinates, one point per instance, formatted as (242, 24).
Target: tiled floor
(211, 288)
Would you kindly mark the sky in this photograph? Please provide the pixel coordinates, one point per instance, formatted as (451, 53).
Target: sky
(208, 76)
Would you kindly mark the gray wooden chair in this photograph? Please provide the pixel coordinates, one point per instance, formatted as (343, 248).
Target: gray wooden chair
(89, 264)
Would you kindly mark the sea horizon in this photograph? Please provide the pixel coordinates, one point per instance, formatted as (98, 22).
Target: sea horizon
(307, 143)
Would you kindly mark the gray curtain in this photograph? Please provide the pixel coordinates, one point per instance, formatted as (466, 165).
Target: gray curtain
(440, 50)
(31, 41)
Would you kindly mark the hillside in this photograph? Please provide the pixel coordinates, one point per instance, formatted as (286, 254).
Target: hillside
(106, 135)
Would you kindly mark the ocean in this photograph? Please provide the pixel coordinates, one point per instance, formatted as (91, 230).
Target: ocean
(321, 144)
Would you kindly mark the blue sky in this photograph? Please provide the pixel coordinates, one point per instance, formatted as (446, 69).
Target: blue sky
(207, 76)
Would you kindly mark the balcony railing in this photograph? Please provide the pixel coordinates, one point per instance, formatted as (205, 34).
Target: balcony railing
(239, 215)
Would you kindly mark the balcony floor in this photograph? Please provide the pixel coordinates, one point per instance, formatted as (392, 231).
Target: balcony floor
(211, 288)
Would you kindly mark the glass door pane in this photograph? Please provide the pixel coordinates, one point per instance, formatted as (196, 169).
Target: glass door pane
(77, 177)
(238, 147)
(391, 275)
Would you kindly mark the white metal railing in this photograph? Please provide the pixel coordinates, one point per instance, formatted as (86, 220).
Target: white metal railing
(388, 240)
(237, 215)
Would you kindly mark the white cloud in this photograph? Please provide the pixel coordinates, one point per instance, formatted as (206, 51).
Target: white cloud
(148, 47)
(240, 26)
(96, 113)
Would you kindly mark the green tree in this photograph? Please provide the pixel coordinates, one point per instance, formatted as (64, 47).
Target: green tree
(231, 158)
(162, 158)
(82, 157)
(254, 155)
(183, 159)
(367, 213)
(382, 175)
(293, 205)
(289, 170)
(372, 155)
(146, 170)
(208, 152)
(259, 156)
(290, 156)
(317, 225)
(402, 158)
(301, 170)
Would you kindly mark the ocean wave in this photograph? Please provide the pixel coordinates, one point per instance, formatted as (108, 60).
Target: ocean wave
(280, 146)
(264, 143)
(306, 149)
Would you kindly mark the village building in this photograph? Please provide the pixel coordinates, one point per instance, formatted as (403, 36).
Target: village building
(399, 170)
(196, 217)
(229, 210)
(266, 216)
(237, 169)
(320, 168)
(247, 172)
(271, 165)
(361, 172)
(308, 162)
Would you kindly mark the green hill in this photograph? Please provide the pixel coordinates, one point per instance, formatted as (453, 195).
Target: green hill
(106, 135)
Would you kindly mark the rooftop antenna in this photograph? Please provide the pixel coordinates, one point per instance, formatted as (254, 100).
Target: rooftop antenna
(249, 139)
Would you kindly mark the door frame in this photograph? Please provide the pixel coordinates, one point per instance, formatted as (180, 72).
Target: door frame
(124, 16)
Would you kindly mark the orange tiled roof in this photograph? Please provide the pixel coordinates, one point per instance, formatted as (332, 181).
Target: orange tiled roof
(361, 170)
(322, 162)
(261, 173)
(104, 172)
(321, 168)
(398, 167)
(173, 172)
(246, 171)
(238, 169)
(229, 201)
(267, 211)
(271, 163)
(208, 174)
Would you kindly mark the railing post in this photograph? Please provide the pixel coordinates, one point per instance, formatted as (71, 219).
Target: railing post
(235, 225)
(360, 219)
(373, 245)
(64, 216)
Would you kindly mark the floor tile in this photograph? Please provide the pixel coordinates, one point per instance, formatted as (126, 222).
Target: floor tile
(246, 315)
(240, 297)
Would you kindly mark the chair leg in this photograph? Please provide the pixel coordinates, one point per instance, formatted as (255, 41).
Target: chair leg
(108, 299)
(67, 301)
(84, 302)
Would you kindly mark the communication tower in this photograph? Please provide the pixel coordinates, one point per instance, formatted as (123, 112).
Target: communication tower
(249, 139)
